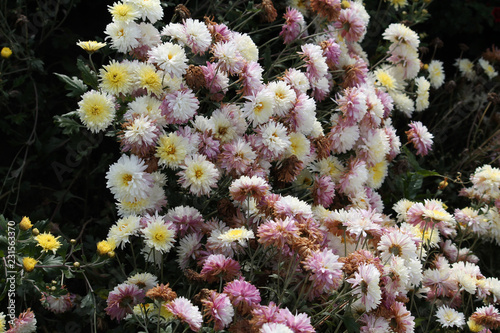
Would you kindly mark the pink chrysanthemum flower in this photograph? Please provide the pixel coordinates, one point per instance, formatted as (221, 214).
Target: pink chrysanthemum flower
(218, 308)
(278, 233)
(198, 174)
(487, 316)
(25, 323)
(355, 74)
(420, 137)
(356, 176)
(122, 299)
(229, 59)
(187, 219)
(218, 266)
(251, 78)
(439, 283)
(299, 323)
(326, 271)
(209, 146)
(290, 206)
(216, 81)
(302, 116)
(294, 25)
(271, 140)
(316, 65)
(402, 321)
(323, 190)
(297, 80)
(188, 249)
(352, 104)
(183, 309)
(373, 324)
(351, 25)
(179, 106)
(58, 304)
(244, 187)
(243, 295)
(332, 52)
(363, 222)
(237, 156)
(265, 314)
(394, 142)
(367, 277)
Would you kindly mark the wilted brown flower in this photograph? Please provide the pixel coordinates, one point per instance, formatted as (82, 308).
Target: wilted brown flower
(161, 293)
(268, 13)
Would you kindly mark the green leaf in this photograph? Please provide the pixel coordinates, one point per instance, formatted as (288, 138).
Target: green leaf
(88, 75)
(350, 323)
(87, 301)
(75, 86)
(427, 173)
(69, 125)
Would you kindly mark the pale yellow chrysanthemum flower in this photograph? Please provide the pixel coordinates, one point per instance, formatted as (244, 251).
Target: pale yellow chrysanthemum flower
(377, 174)
(159, 236)
(48, 242)
(148, 78)
(2, 322)
(91, 46)
(96, 110)
(488, 68)
(299, 146)
(240, 235)
(116, 78)
(398, 3)
(384, 78)
(29, 263)
(171, 150)
(124, 12)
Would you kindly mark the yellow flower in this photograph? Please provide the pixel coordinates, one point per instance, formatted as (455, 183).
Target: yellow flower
(116, 78)
(90, 46)
(2, 322)
(25, 223)
(48, 242)
(96, 110)
(104, 247)
(29, 263)
(6, 52)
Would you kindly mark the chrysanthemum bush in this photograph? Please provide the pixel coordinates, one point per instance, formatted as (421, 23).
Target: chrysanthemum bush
(248, 180)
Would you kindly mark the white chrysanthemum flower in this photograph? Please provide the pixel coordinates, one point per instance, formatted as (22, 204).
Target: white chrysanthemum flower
(329, 166)
(275, 138)
(170, 57)
(146, 106)
(141, 131)
(275, 328)
(436, 73)
(297, 79)
(466, 68)
(159, 235)
(449, 317)
(180, 106)
(172, 149)
(123, 229)
(124, 36)
(403, 103)
(317, 129)
(401, 208)
(423, 86)
(223, 129)
(96, 110)
(300, 146)
(127, 179)
(186, 249)
(199, 175)
(245, 46)
(153, 202)
(198, 36)
(400, 34)
(397, 271)
(284, 97)
(228, 56)
(376, 146)
(150, 9)
(239, 235)
(486, 180)
(367, 280)
(150, 36)
(259, 107)
(144, 281)
(124, 12)
(396, 243)
(176, 31)
(488, 68)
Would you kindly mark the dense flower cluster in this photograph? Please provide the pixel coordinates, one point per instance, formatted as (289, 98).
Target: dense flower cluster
(261, 191)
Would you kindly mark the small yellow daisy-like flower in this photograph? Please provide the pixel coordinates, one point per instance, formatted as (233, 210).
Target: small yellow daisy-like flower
(104, 247)
(97, 110)
(398, 3)
(240, 235)
(48, 242)
(2, 322)
(473, 326)
(25, 224)
(29, 263)
(6, 52)
(91, 46)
